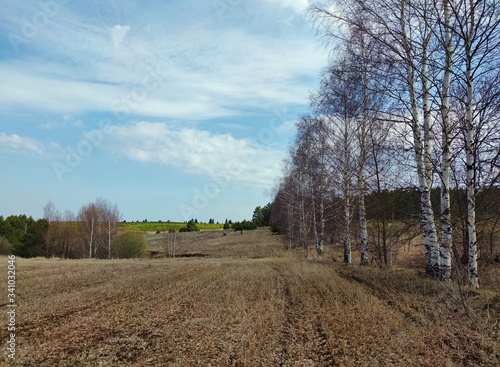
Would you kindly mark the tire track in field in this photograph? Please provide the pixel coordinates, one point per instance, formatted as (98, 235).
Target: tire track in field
(304, 341)
(127, 311)
(287, 322)
(324, 350)
(415, 317)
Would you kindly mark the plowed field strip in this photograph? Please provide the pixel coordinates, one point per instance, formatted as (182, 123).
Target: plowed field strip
(220, 312)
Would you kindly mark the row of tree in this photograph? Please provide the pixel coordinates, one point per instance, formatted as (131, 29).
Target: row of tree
(88, 234)
(262, 215)
(410, 99)
(23, 236)
(92, 233)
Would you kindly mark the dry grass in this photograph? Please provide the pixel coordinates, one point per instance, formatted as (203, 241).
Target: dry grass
(214, 244)
(248, 303)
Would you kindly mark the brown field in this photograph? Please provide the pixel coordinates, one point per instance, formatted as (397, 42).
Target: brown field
(246, 302)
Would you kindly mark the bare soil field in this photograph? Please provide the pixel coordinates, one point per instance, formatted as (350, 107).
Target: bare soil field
(246, 302)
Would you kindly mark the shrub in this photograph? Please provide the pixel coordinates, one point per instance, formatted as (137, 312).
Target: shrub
(191, 226)
(239, 226)
(5, 246)
(130, 244)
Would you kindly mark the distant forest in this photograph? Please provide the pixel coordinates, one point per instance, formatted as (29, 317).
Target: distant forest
(93, 232)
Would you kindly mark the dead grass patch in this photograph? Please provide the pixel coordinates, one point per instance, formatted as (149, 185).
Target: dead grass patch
(246, 304)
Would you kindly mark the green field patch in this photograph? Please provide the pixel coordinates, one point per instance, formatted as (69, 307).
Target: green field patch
(166, 226)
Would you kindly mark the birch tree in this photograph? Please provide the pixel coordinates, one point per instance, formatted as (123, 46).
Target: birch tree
(52, 215)
(404, 43)
(445, 250)
(98, 224)
(477, 29)
(89, 218)
(364, 57)
(341, 103)
(110, 218)
(315, 148)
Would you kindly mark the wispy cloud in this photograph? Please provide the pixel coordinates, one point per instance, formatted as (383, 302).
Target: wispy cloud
(18, 144)
(207, 70)
(209, 88)
(195, 151)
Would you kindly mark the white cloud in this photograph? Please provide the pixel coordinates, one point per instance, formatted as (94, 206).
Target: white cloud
(66, 121)
(21, 90)
(195, 151)
(19, 144)
(210, 71)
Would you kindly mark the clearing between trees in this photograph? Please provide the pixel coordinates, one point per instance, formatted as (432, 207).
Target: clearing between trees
(244, 300)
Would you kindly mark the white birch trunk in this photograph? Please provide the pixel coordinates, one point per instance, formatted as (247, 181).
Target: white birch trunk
(315, 223)
(363, 231)
(318, 225)
(347, 193)
(428, 227)
(302, 215)
(91, 238)
(429, 168)
(347, 230)
(445, 250)
(473, 274)
(290, 226)
(468, 35)
(423, 149)
(302, 222)
(321, 233)
(109, 240)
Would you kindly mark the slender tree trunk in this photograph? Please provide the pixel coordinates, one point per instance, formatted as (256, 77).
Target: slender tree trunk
(347, 230)
(91, 238)
(384, 239)
(318, 225)
(363, 231)
(445, 250)
(346, 157)
(473, 273)
(423, 149)
(314, 221)
(290, 226)
(109, 240)
(321, 233)
(432, 237)
(302, 224)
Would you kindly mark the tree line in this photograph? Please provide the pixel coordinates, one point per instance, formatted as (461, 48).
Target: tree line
(87, 234)
(94, 232)
(410, 99)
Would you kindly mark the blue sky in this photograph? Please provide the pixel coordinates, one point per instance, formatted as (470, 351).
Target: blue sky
(170, 109)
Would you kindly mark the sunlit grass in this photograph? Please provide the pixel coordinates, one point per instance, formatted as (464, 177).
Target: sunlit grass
(248, 303)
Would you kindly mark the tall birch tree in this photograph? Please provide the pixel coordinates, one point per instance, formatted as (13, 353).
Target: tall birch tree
(404, 43)
(478, 31)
